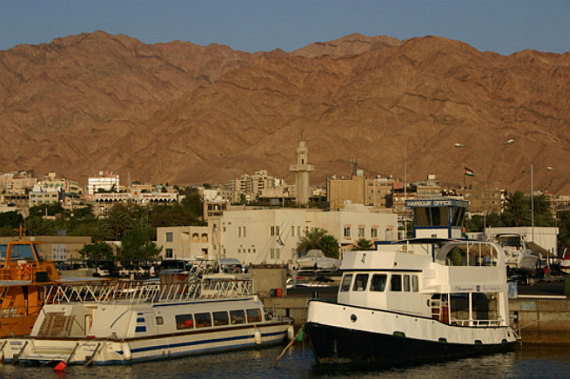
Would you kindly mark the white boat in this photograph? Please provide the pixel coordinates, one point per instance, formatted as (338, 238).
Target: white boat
(519, 256)
(423, 300)
(415, 302)
(130, 321)
(316, 259)
(565, 262)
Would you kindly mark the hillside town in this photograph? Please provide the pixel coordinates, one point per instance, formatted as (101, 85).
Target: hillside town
(256, 218)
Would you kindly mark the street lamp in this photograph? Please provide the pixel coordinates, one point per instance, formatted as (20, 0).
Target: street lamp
(483, 155)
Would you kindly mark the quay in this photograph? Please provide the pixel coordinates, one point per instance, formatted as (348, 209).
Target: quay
(539, 313)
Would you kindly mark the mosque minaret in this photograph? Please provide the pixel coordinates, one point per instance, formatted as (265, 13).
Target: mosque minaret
(302, 169)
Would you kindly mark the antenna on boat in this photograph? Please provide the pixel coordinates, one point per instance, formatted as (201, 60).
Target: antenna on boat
(21, 231)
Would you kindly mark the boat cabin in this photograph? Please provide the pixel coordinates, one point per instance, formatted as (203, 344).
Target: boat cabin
(458, 283)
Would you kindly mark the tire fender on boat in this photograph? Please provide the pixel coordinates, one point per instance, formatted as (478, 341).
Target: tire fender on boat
(127, 351)
(290, 333)
(257, 336)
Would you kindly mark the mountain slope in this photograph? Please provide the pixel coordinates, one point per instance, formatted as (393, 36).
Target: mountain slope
(182, 113)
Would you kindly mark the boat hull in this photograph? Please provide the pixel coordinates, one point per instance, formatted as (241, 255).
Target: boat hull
(343, 334)
(111, 352)
(334, 345)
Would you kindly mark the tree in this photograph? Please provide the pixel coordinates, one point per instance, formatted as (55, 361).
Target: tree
(118, 220)
(11, 220)
(363, 244)
(329, 246)
(98, 251)
(317, 238)
(311, 239)
(517, 210)
(136, 245)
(37, 226)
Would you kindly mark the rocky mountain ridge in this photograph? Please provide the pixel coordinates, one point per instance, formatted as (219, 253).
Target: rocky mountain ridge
(182, 113)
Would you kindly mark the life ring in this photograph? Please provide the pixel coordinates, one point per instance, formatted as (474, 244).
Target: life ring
(25, 271)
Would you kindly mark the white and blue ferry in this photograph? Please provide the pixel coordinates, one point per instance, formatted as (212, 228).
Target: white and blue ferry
(126, 322)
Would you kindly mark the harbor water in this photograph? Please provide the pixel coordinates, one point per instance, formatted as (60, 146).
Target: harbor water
(529, 362)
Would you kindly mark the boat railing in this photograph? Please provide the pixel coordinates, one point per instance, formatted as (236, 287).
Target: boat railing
(477, 323)
(154, 292)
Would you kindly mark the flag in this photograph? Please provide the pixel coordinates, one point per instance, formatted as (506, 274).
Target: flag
(464, 233)
(280, 242)
(469, 172)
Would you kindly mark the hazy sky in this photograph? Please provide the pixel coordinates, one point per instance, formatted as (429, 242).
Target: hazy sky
(503, 26)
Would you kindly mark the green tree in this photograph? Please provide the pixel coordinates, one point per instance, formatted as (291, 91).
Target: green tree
(363, 244)
(98, 251)
(329, 246)
(37, 226)
(311, 239)
(317, 238)
(136, 245)
(118, 221)
(517, 210)
(11, 219)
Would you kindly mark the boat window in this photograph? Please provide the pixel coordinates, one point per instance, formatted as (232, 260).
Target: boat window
(253, 315)
(159, 320)
(378, 282)
(407, 283)
(415, 283)
(396, 283)
(203, 320)
(221, 318)
(346, 279)
(237, 317)
(360, 282)
(183, 322)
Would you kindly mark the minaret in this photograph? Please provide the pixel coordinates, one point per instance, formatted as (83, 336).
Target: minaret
(301, 170)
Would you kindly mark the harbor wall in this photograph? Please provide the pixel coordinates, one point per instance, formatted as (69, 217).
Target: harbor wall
(538, 320)
(541, 320)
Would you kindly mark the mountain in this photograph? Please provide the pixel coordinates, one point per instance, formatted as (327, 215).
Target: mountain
(182, 113)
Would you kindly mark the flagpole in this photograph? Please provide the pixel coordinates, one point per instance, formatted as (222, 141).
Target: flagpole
(483, 156)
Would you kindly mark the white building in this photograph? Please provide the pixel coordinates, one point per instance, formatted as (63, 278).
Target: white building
(106, 181)
(183, 242)
(271, 235)
(545, 237)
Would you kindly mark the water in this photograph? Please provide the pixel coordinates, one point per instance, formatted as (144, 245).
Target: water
(530, 362)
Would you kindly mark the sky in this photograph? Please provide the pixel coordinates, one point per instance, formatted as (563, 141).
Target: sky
(502, 26)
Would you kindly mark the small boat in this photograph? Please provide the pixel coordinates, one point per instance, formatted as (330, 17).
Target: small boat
(520, 258)
(421, 300)
(127, 321)
(565, 262)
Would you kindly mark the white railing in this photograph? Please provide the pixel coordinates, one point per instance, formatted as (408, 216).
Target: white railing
(477, 323)
(141, 292)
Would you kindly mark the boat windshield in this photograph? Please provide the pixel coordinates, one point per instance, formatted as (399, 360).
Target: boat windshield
(19, 252)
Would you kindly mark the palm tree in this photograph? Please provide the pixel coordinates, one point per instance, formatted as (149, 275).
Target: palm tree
(317, 238)
(363, 244)
(517, 210)
(311, 239)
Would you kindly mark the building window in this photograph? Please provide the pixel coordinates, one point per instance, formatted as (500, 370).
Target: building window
(168, 236)
(168, 253)
(361, 232)
(292, 231)
(374, 232)
(347, 232)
